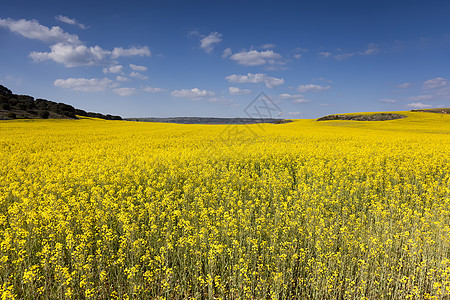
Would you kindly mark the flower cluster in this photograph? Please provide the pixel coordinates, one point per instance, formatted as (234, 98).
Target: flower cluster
(101, 209)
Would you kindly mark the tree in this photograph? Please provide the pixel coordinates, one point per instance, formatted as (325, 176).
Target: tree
(4, 90)
(44, 114)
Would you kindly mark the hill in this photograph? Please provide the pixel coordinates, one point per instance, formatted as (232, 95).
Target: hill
(434, 110)
(363, 117)
(13, 106)
(211, 121)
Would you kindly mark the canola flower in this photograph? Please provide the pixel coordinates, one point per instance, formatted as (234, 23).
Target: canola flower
(100, 209)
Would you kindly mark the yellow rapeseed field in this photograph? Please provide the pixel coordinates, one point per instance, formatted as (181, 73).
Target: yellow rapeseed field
(100, 209)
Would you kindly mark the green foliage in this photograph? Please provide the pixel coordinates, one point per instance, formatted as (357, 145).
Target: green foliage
(44, 114)
(29, 106)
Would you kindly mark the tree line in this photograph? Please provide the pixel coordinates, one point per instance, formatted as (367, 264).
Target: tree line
(14, 104)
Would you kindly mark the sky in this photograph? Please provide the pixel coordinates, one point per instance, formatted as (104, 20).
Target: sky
(213, 58)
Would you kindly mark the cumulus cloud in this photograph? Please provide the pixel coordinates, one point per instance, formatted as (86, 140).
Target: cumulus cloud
(138, 68)
(312, 87)
(81, 55)
(295, 98)
(70, 21)
(73, 55)
(207, 43)
(227, 52)
(150, 89)
(122, 78)
(33, 30)
(138, 75)
(84, 84)
(113, 69)
(434, 83)
(257, 58)
(125, 91)
(237, 91)
(270, 82)
(194, 94)
(133, 51)
(418, 105)
(66, 48)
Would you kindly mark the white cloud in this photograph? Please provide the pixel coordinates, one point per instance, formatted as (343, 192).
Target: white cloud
(118, 52)
(67, 49)
(193, 32)
(372, 48)
(150, 89)
(227, 52)
(270, 82)
(207, 43)
(257, 58)
(73, 55)
(418, 105)
(325, 54)
(298, 51)
(194, 94)
(295, 98)
(312, 87)
(437, 82)
(421, 98)
(122, 78)
(404, 85)
(138, 68)
(113, 69)
(33, 30)
(138, 75)
(388, 100)
(70, 21)
(125, 91)
(84, 84)
(237, 91)
(81, 55)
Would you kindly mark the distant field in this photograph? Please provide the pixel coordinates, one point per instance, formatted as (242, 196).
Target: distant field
(434, 110)
(96, 209)
(199, 120)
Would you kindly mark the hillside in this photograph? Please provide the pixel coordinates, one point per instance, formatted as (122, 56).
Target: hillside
(434, 110)
(211, 121)
(13, 106)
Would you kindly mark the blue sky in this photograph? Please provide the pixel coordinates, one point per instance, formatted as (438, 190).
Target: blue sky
(212, 58)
